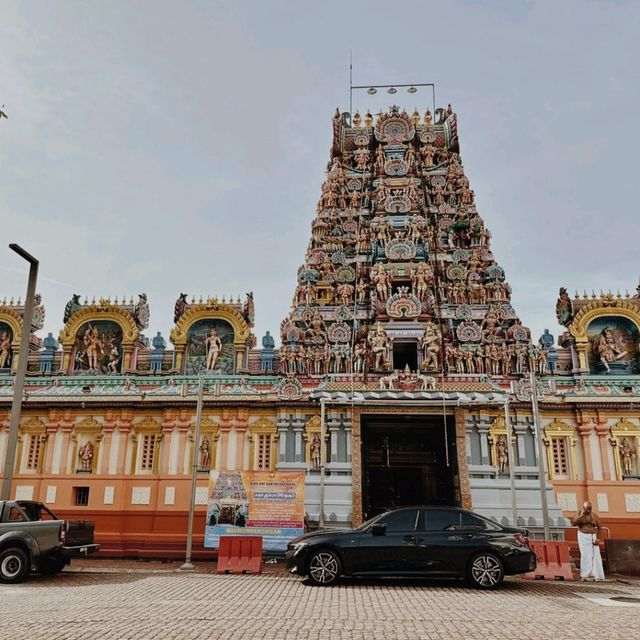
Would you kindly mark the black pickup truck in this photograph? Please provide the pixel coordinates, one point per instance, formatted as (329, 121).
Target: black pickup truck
(34, 539)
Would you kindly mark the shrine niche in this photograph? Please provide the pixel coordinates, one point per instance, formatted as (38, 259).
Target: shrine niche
(11, 314)
(625, 439)
(211, 337)
(6, 346)
(206, 450)
(313, 447)
(613, 345)
(98, 348)
(99, 339)
(85, 439)
(605, 333)
(499, 445)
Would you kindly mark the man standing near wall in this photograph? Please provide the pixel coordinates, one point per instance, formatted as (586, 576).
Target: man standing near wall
(589, 527)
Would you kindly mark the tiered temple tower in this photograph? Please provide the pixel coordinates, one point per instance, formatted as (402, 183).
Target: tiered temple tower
(399, 274)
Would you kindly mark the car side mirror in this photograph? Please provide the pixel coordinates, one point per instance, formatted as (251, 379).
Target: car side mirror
(378, 529)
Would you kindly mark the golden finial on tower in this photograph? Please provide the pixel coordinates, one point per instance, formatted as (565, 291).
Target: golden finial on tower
(357, 120)
(427, 118)
(368, 119)
(416, 118)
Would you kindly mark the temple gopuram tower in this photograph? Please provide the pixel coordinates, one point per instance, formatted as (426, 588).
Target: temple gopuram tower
(402, 314)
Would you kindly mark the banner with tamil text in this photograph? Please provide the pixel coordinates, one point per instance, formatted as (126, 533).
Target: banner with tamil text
(255, 503)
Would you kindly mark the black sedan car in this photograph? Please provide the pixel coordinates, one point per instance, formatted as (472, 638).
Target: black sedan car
(415, 541)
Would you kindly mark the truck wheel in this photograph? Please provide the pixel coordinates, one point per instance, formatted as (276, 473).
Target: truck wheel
(51, 566)
(14, 565)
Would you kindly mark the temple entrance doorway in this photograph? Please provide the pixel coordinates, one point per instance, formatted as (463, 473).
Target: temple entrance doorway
(404, 460)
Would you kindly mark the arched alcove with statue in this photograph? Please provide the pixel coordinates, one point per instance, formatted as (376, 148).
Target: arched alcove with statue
(211, 337)
(607, 336)
(99, 339)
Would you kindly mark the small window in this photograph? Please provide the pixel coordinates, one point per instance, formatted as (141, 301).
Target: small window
(264, 452)
(148, 452)
(559, 451)
(15, 515)
(441, 519)
(33, 454)
(81, 496)
(405, 520)
(471, 521)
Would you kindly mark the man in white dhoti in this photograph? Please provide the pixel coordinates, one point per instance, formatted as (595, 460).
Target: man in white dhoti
(589, 528)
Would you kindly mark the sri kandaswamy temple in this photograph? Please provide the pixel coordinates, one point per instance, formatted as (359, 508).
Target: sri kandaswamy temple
(401, 330)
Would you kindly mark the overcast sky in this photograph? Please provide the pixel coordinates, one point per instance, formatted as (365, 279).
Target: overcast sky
(180, 146)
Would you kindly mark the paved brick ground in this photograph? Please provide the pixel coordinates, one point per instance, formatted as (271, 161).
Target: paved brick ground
(110, 601)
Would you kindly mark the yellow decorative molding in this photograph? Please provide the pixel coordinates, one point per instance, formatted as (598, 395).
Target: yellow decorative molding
(602, 308)
(99, 313)
(14, 320)
(33, 428)
(34, 425)
(211, 311)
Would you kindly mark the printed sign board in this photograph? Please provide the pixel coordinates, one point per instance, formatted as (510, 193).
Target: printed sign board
(255, 503)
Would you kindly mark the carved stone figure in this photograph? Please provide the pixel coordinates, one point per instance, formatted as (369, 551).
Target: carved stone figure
(315, 452)
(141, 312)
(609, 348)
(5, 350)
(85, 453)
(382, 282)
(430, 344)
(205, 453)
(249, 309)
(71, 307)
(379, 346)
(213, 345)
(37, 318)
(627, 454)
(502, 455)
(180, 307)
(386, 382)
(564, 308)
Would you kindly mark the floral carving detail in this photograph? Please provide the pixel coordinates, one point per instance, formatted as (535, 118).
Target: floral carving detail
(460, 255)
(396, 167)
(463, 312)
(456, 272)
(345, 274)
(394, 128)
(338, 257)
(469, 331)
(397, 204)
(308, 275)
(403, 304)
(290, 389)
(400, 250)
(339, 332)
(495, 272)
(362, 139)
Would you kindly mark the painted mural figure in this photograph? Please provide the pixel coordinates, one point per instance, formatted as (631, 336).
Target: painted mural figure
(627, 454)
(85, 453)
(213, 346)
(5, 350)
(609, 348)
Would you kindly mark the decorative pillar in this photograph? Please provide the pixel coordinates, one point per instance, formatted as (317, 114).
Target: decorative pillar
(242, 420)
(168, 426)
(125, 425)
(298, 427)
(483, 432)
(283, 432)
(602, 430)
(585, 429)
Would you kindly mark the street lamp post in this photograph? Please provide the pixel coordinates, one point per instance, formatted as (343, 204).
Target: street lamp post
(21, 370)
(188, 565)
(540, 450)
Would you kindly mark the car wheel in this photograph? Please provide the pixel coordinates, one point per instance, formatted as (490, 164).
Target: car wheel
(51, 566)
(324, 567)
(486, 571)
(14, 565)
